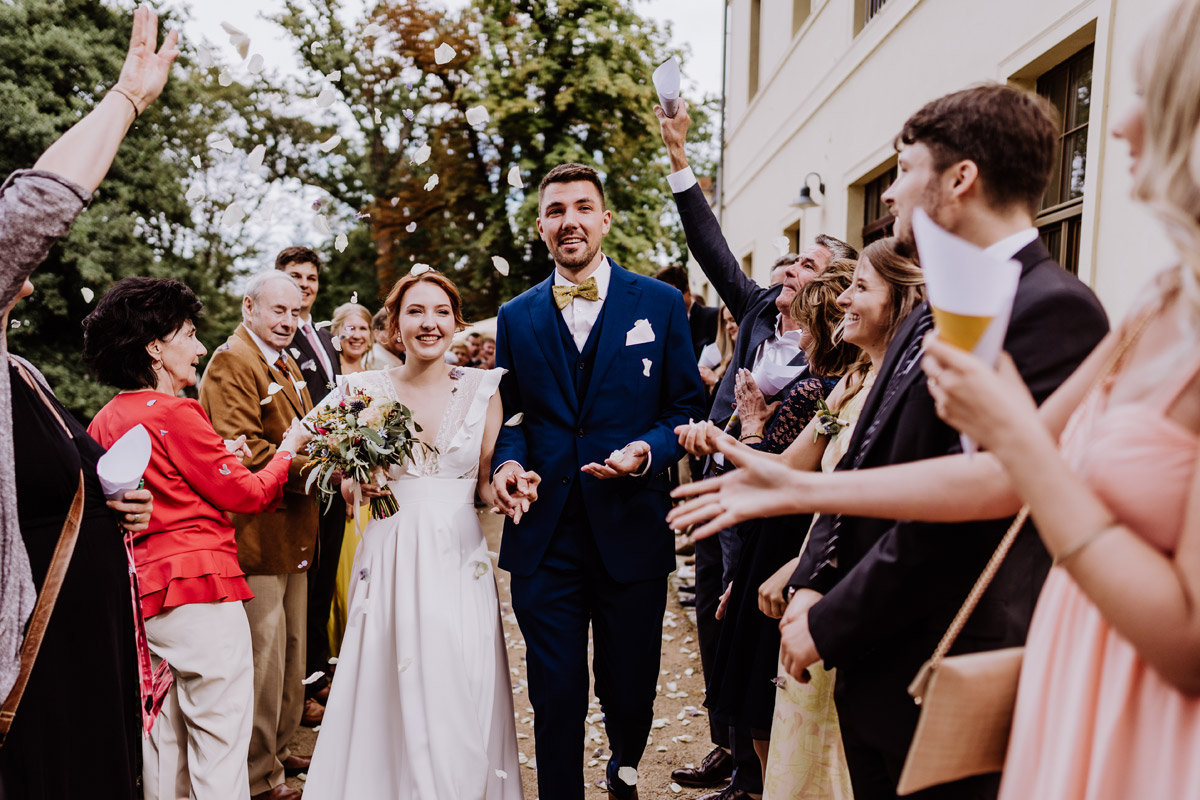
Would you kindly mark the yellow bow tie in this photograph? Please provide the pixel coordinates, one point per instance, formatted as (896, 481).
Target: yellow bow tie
(563, 295)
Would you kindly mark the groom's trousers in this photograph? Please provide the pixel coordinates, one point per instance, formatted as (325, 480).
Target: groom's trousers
(554, 605)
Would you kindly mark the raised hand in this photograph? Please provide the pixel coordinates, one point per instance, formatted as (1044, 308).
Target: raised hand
(145, 71)
(700, 438)
(626, 461)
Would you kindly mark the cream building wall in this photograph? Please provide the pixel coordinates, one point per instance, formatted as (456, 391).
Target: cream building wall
(830, 100)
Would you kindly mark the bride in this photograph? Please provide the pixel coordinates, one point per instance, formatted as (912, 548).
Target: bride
(422, 704)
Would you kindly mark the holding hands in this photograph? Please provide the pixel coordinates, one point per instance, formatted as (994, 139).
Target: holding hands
(515, 489)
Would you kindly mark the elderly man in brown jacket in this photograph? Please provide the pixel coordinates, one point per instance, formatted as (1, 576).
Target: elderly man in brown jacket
(252, 387)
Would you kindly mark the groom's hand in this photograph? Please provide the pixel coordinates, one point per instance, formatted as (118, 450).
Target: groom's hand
(627, 461)
(515, 489)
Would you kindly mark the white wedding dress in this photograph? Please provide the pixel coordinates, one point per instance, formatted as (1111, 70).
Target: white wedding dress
(421, 703)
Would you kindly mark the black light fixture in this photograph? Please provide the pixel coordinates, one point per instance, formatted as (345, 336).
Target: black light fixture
(805, 198)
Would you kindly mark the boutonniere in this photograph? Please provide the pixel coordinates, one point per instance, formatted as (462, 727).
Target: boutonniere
(827, 422)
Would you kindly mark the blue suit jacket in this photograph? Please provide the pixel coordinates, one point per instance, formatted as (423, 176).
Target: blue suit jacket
(561, 432)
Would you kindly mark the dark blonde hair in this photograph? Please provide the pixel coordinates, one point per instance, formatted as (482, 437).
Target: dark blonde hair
(396, 297)
(815, 309)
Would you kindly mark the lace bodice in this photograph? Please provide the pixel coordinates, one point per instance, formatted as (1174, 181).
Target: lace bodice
(459, 437)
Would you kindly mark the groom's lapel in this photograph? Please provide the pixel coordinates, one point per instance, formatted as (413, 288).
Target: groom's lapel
(619, 308)
(545, 330)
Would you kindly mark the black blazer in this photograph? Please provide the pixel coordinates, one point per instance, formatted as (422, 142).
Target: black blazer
(891, 588)
(703, 322)
(751, 305)
(310, 365)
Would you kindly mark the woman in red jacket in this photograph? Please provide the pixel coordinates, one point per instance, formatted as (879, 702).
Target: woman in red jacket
(142, 339)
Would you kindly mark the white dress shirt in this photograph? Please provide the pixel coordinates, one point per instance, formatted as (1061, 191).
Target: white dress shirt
(1009, 246)
(772, 368)
(581, 315)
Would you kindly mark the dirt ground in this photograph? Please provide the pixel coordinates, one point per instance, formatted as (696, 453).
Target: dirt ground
(680, 733)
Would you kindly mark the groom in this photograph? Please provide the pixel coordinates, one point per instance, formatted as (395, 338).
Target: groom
(600, 365)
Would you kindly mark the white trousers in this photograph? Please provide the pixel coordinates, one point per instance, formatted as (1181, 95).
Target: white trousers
(197, 748)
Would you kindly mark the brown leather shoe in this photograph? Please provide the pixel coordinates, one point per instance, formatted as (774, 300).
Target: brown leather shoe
(314, 712)
(294, 765)
(728, 793)
(322, 696)
(715, 769)
(280, 792)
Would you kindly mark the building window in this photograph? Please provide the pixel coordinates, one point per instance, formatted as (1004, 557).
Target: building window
(1069, 88)
(800, 12)
(865, 11)
(755, 25)
(792, 233)
(877, 219)
(748, 264)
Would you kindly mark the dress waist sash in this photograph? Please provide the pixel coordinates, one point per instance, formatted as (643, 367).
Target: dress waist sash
(453, 491)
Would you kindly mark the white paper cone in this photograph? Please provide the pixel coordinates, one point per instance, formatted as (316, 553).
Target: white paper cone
(666, 82)
(121, 468)
(967, 287)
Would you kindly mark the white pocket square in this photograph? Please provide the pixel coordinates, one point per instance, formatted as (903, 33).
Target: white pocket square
(640, 333)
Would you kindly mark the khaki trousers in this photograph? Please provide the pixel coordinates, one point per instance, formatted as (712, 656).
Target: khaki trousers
(197, 747)
(277, 622)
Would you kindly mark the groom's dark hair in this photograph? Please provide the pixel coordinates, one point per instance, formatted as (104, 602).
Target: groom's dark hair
(569, 173)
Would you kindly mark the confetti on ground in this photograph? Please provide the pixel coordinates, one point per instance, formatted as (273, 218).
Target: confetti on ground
(628, 775)
(204, 57)
(477, 115)
(256, 64)
(501, 265)
(232, 216)
(444, 54)
(422, 154)
(254, 161)
(196, 160)
(410, 227)
(322, 225)
(432, 182)
(326, 97)
(194, 194)
(676, 788)
(88, 294)
(514, 178)
(223, 144)
(340, 244)
(316, 676)
(329, 144)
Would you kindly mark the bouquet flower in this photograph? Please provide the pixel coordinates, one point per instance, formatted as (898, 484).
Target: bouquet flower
(362, 437)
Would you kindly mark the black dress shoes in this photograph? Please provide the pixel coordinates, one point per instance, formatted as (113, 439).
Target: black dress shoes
(728, 793)
(715, 769)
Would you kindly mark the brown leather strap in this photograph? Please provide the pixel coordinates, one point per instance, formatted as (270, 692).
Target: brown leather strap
(43, 608)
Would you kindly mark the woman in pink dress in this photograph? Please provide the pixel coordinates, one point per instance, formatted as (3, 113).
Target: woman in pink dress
(1109, 701)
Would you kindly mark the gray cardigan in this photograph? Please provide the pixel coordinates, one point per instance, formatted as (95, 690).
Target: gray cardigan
(36, 209)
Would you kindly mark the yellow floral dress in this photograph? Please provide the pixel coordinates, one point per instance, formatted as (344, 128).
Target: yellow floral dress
(806, 759)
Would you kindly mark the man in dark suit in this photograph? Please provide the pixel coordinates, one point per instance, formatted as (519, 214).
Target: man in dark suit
(702, 320)
(600, 367)
(874, 596)
(768, 344)
(320, 367)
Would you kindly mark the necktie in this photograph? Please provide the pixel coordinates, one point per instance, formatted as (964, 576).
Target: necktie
(563, 295)
(281, 364)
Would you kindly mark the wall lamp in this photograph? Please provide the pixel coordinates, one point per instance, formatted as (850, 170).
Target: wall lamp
(805, 198)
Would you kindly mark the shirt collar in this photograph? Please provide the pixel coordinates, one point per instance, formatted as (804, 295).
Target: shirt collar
(269, 353)
(603, 275)
(1009, 246)
(786, 336)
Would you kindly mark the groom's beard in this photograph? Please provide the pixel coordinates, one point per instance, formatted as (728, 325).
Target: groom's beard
(580, 259)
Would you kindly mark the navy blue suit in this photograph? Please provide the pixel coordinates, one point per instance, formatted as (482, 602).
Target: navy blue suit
(593, 551)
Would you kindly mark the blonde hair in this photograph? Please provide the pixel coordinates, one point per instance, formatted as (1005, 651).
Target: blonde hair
(1168, 178)
(344, 312)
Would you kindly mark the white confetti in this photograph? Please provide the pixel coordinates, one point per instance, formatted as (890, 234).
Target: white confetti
(299, 385)
(501, 774)
(378, 117)
(88, 294)
(224, 470)
(254, 161)
(405, 664)
(340, 244)
(256, 64)
(333, 660)
(646, 364)
(196, 160)
(477, 115)
(274, 388)
(322, 225)
(422, 154)
(432, 182)
(204, 57)
(373, 29)
(315, 48)
(443, 54)
(522, 758)
(501, 265)
(675, 787)
(223, 144)
(514, 178)
(323, 324)
(232, 216)
(419, 269)
(316, 676)
(336, 75)
(326, 97)
(337, 343)
(225, 78)
(241, 43)
(148, 402)
(329, 144)
(354, 297)
(410, 227)
(628, 775)
(514, 420)
(481, 569)
(782, 245)
(194, 194)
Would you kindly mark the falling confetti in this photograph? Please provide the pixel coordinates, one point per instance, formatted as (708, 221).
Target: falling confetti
(501, 265)
(373, 29)
(315, 48)
(333, 661)
(224, 470)
(322, 225)
(444, 54)
(329, 144)
(514, 178)
(232, 216)
(223, 144)
(296, 353)
(405, 664)
(254, 161)
(515, 420)
(646, 364)
(88, 294)
(410, 227)
(196, 160)
(204, 57)
(225, 78)
(256, 64)
(481, 569)
(419, 269)
(340, 244)
(316, 676)
(238, 39)
(336, 75)
(337, 343)
(432, 182)
(354, 297)
(265, 400)
(422, 154)
(326, 97)
(782, 244)
(194, 194)
(274, 388)
(501, 774)
(378, 117)
(408, 114)
(477, 115)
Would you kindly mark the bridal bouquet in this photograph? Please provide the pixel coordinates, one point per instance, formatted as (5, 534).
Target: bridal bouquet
(362, 437)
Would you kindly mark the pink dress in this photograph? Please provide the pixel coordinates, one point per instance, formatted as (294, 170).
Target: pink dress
(1093, 721)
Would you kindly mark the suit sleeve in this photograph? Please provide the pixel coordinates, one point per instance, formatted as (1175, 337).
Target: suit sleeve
(876, 600)
(708, 245)
(683, 392)
(510, 443)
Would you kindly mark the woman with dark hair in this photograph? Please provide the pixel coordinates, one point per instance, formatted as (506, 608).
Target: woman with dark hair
(142, 339)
